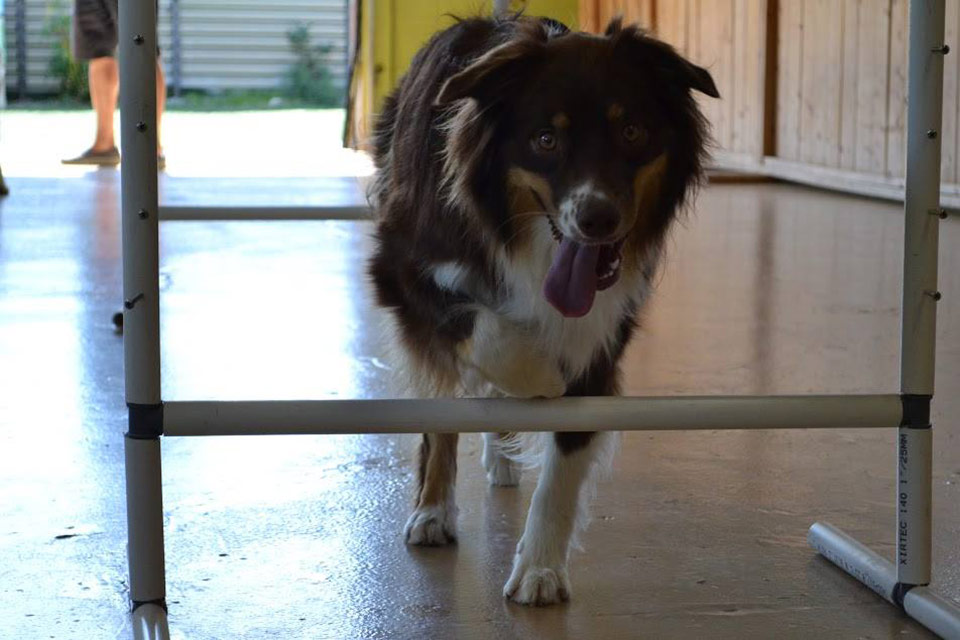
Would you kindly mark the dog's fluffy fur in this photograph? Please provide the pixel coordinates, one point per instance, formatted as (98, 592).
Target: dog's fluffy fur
(513, 154)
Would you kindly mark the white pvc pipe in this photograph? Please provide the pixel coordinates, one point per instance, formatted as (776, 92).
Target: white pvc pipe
(141, 334)
(138, 172)
(150, 623)
(562, 414)
(144, 520)
(914, 537)
(200, 213)
(924, 105)
(858, 560)
(932, 611)
(935, 613)
(919, 307)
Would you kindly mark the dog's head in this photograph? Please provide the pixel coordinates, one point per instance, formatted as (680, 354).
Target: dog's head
(597, 137)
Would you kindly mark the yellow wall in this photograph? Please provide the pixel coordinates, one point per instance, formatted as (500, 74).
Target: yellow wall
(403, 26)
(400, 27)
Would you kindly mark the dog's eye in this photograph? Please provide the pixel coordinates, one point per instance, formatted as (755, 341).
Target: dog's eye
(632, 134)
(545, 140)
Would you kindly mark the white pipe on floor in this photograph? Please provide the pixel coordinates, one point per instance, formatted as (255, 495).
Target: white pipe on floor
(561, 414)
(206, 214)
(935, 613)
(856, 559)
(876, 572)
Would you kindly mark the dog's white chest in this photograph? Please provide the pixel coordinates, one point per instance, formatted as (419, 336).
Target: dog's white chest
(573, 341)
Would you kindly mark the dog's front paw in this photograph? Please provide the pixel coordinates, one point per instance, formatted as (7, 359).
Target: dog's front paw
(501, 470)
(537, 585)
(431, 526)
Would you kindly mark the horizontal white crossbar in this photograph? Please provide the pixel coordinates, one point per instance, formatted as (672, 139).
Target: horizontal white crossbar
(207, 214)
(561, 414)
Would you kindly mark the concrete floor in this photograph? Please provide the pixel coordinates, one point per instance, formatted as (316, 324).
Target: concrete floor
(768, 289)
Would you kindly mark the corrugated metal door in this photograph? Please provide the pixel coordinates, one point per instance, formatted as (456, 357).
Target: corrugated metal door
(226, 44)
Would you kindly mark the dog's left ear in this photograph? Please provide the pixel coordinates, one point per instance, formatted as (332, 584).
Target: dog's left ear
(688, 73)
(665, 58)
(492, 75)
(698, 78)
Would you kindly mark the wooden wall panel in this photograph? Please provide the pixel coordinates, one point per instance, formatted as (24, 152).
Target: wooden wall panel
(672, 22)
(715, 51)
(589, 15)
(873, 33)
(897, 90)
(838, 72)
(820, 84)
(789, 74)
(849, 81)
(847, 110)
(633, 11)
(728, 37)
(748, 20)
(951, 68)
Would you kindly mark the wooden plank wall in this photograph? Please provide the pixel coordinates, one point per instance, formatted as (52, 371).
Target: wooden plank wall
(843, 84)
(832, 107)
(595, 14)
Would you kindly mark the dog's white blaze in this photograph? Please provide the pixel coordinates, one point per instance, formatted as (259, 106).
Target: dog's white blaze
(574, 341)
(570, 205)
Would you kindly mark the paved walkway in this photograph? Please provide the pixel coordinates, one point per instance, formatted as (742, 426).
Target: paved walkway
(264, 144)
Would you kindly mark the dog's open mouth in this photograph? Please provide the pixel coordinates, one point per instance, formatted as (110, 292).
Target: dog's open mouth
(578, 271)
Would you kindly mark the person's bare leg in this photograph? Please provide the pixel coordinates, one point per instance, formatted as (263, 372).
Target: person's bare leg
(161, 102)
(104, 87)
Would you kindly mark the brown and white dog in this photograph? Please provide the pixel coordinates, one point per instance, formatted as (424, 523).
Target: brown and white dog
(527, 176)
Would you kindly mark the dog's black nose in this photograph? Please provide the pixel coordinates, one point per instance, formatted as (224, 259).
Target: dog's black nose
(598, 219)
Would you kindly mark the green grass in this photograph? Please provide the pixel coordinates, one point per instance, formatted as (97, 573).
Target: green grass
(251, 100)
(46, 104)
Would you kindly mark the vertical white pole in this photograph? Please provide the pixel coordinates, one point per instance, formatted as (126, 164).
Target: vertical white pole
(924, 105)
(914, 515)
(918, 315)
(145, 555)
(138, 141)
(141, 325)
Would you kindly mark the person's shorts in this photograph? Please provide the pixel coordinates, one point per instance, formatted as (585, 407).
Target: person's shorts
(95, 28)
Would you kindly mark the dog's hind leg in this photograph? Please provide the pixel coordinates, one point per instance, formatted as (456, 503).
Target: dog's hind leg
(539, 574)
(434, 521)
(501, 470)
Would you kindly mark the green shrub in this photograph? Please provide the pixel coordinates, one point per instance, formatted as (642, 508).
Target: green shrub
(70, 73)
(309, 79)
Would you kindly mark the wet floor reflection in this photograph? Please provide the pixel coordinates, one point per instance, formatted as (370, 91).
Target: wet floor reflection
(770, 289)
(266, 311)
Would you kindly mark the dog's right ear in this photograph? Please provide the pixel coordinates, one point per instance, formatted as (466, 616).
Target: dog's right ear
(492, 76)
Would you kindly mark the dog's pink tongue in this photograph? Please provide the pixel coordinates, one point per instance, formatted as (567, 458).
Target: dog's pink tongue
(571, 283)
